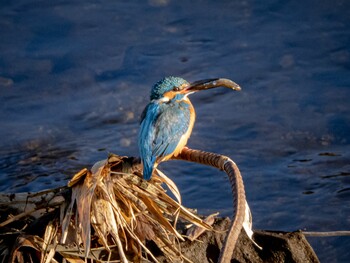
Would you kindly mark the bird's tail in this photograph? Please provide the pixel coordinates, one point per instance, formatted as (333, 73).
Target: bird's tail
(148, 167)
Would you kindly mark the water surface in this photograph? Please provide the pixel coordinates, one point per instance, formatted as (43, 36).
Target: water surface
(76, 75)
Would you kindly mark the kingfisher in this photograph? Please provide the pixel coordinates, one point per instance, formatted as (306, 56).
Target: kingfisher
(167, 121)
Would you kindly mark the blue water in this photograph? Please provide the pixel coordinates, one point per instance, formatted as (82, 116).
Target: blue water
(76, 75)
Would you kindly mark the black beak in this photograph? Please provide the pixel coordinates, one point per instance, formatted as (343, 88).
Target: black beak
(212, 83)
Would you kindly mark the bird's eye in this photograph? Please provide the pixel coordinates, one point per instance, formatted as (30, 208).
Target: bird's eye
(176, 88)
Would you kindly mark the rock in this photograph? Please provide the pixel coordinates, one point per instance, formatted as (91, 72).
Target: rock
(277, 247)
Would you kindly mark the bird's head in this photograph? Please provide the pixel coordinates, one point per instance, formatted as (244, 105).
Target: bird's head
(171, 87)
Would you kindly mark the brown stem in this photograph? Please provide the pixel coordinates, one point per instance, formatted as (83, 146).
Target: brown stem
(239, 200)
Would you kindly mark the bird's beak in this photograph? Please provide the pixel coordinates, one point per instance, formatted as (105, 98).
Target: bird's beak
(212, 83)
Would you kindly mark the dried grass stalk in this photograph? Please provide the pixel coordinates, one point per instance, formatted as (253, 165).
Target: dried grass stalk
(109, 216)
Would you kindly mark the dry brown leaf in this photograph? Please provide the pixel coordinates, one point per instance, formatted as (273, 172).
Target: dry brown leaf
(109, 216)
(195, 231)
(155, 211)
(78, 177)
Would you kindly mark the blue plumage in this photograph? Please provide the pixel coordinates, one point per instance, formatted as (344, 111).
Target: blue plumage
(162, 125)
(167, 121)
(164, 85)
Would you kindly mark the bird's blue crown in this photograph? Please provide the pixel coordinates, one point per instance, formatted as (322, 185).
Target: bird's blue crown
(164, 85)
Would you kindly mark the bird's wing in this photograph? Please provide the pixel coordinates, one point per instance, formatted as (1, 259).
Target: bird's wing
(146, 137)
(162, 126)
(171, 125)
